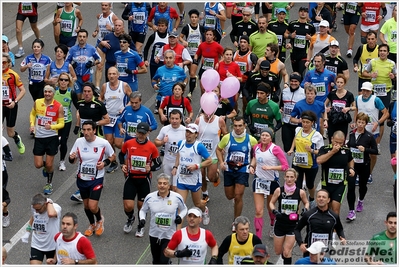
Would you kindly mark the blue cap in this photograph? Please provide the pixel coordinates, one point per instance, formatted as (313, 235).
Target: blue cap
(5, 38)
(279, 10)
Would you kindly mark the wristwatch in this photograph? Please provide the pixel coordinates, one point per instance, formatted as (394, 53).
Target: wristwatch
(16, 101)
(76, 262)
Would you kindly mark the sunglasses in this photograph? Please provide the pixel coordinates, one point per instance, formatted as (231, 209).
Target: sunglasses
(123, 42)
(64, 80)
(304, 9)
(246, 15)
(5, 62)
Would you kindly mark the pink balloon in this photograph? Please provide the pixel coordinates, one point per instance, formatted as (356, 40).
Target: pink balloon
(210, 79)
(209, 102)
(230, 87)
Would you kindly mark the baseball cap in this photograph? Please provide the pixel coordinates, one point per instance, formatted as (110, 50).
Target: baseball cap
(143, 128)
(5, 38)
(304, 8)
(334, 42)
(260, 250)
(279, 10)
(192, 127)
(324, 23)
(317, 247)
(173, 34)
(195, 211)
(245, 37)
(367, 86)
(265, 65)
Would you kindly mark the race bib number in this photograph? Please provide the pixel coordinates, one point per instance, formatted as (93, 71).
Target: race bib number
(321, 88)
(243, 66)
(351, 7)
(371, 16)
(289, 206)
(280, 40)
(394, 127)
(163, 220)
(192, 45)
(122, 66)
(301, 158)
(262, 187)
(82, 121)
(357, 155)
(66, 113)
(237, 259)
(338, 106)
(319, 237)
(173, 149)
(208, 63)
(288, 109)
(6, 93)
(259, 127)
(210, 21)
(380, 89)
(208, 145)
(300, 41)
(139, 17)
(316, 27)
(26, 8)
(394, 36)
(156, 51)
(40, 228)
(335, 176)
(131, 128)
(138, 163)
(43, 120)
(237, 157)
(37, 72)
(66, 25)
(332, 68)
(88, 171)
(112, 121)
(184, 170)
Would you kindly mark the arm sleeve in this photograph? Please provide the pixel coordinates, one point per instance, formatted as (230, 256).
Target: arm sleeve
(223, 249)
(301, 224)
(147, 46)
(126, 11)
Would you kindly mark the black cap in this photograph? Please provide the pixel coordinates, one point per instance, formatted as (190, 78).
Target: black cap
(304, 8)
(193, 11)
(143, 128)
(265, 65)
(245, 37)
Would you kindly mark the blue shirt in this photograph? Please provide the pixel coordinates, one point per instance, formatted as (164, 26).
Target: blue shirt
(306, 260)
(140, 11)
(82, 55)
(168, 77)
(128, 60)
(201, 149)
(115, 46)
(55, 72)
(317, 107)
(322, 81)
(38, 70)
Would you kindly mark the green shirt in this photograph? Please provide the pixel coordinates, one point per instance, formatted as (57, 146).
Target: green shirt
(262, 115)
(258, 41)
(65, 100)
(382, 248)
(389, 29)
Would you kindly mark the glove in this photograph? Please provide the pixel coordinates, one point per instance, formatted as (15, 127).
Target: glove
(74, 64)
(178, 220)
(213, 260)
(128, 71)
(277, 213)
(252, 129)
(89, 64)
(303, 211)
(183, 253)
(141, 223)
(25, 237)
(76, 130)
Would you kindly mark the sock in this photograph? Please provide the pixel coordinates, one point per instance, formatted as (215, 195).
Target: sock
(50, 177)
(90, 216)
(5, 213)
(16, 138)
(272, 218)
(98, 215)
(311, 199)
(193, 82)
(205, 192)
(44, 164)
(258, 226)
(287, 261)
(130, 214)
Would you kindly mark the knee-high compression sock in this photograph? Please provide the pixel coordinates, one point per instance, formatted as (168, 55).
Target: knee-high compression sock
(193, 83)
(130, 214)
(258, 227)
(90, 216)
(287, 261)
(50, 177)
(98, 215)
(16, 137)
(272, 218)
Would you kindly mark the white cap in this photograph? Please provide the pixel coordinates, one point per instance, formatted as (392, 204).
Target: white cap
(317, 247)
(367, 86)
(196, 211)
(334, 42)
(192, 127)
(324, 23)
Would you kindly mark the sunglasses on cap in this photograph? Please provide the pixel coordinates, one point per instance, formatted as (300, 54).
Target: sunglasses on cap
(302, 8)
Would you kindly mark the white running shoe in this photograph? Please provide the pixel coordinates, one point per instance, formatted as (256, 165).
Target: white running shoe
(6, 220)
(61, 165)
(205, 216)
(140, 232)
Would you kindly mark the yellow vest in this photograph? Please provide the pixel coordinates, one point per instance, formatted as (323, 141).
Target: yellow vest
(302, 157)
(365, 58)
(237, 251)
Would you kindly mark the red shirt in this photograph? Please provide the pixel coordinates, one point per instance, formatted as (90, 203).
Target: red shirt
(83, 246)
(176, 238)
(211, 51)
(175, 102)
(138, 156)
(172, 13)
(232, 67)
(28, 9)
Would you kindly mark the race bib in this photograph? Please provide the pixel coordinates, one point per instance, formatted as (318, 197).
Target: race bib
(131, 128)
(300, 41)
(259, 127)
(163, 220)
(237, 259)
(371, 16)
(237, 157)
(301, 158)
(380, 89)
(394, 36)
(122, 66)
(243, 66)
(357, 155)
(351, 7)
(6, 93)
(289, 206)
(332, 68)
(208, 143)
(66, 25)
(335, 176)
(138, 163)
(316, 27)
(88, 171)
(43, 120)
(210, 21)
(26, 8)
(138, 17)
(37, 72)
(39, 228)
(319, 237)
(66, 111)
(173, 148)
(184, 170)
(209, 63)
(321, 88)
(280, 40)
(112, 121)
(262, 186)
(288, 109)
(82, 121)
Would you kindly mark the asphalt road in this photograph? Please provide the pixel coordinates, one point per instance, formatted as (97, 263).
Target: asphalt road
(114, 246)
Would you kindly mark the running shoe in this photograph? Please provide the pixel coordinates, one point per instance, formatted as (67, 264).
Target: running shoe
(76, 196)
(6, 220)
(217, 182)
(61, 165)
(271, 231)
(205, 198)
(140, 232)
(189, 97)
(44, 170)
(156, 111)
(113, 167)
(241, 95)
(21, 146)
(223, 34)
(90, 230)
(349, 53)
(370, 179)
(205, 216)
(100, 226)
(182, 19)
(48, 189)
(129, 225)
(233, 227)
(312, 204)
(359, 207)
(357, 181)
(351, 215)
(379, 149)
(20, 52)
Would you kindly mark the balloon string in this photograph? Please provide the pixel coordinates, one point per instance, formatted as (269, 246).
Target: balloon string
(206, 126)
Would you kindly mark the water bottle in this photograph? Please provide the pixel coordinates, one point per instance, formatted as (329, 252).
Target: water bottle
(201, 17)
